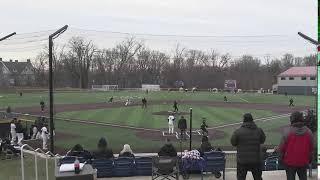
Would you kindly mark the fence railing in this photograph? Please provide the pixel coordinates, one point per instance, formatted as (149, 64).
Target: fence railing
(38, 153)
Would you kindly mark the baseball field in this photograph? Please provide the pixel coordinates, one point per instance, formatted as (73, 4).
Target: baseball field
(84, 117)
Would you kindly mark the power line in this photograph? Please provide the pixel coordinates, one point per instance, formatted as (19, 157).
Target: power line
(181, 35)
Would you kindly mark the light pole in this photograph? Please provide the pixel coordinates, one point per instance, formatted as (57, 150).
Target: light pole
(51, 37)
(316, 43)
(7, 36)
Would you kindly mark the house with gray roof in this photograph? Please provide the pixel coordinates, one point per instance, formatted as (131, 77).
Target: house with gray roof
(15, 73)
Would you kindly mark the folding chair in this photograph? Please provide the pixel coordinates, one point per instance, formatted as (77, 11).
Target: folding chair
(165, 168)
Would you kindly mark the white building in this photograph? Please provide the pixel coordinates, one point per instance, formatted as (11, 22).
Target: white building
(297, 80)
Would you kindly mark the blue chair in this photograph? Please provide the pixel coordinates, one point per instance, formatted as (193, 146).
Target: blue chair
(143, 166)
(123, 166)
(215, 162)
(104, 167)
(271, 163)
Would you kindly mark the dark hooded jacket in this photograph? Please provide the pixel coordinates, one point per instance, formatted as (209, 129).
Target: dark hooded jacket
(168, 150)
(248, 139)
(296, 145)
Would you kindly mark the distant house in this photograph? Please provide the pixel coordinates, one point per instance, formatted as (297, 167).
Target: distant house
(297, 81)
(15, 73)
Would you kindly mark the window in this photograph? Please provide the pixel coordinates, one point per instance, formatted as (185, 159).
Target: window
(303, 78)
(312, 78)
(291, 78)
(283, 78)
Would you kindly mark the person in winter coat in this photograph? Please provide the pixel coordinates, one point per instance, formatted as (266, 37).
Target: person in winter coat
(168, 150)
(248, 139)
(78, 151)
(103, 151)
(182, 125)
(126, 151)
(296, 147)
(205, 145)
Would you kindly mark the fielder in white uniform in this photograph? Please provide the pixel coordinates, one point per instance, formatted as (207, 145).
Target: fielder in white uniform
(44, 136)
(13, 132)
(171, 119)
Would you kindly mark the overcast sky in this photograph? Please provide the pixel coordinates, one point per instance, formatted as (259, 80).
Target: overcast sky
(181, 17)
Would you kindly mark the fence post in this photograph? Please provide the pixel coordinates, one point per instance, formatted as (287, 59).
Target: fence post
(22, 164)
(36, 165)
(47, 171)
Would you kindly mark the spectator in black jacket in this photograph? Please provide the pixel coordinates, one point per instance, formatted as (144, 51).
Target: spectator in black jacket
(205, 145)
(78, 151)
(103, 151)
(167, 150)
(126, 151)
(248, 139)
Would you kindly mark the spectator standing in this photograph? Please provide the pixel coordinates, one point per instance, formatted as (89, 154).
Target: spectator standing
(296, 147)
(248, 139)
(103, 151)
(126, 151)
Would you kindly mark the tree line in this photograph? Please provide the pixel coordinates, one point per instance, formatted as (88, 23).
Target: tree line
(79, 64)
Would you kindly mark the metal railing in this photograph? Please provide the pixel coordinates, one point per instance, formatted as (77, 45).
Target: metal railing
(37, 153)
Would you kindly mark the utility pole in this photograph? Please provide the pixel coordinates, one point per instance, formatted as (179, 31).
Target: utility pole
(7, 36)
(51, 37)
(190, 145)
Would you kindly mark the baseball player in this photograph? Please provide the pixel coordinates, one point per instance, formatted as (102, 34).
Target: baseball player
(13, 131)
(171, 119)
(44, 136)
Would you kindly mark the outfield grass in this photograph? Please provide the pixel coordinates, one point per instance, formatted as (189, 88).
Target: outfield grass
(138, 117)
(33, 99)
(88, 135)
(135, 116)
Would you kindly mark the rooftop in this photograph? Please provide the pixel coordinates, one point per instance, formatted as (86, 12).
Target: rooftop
(299, 72)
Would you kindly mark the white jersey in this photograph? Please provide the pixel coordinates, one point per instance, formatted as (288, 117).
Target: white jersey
(44, 132)
(13, 127)
(171, 120)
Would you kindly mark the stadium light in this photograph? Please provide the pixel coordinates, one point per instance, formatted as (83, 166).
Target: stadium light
(51, 37)
(7, 36)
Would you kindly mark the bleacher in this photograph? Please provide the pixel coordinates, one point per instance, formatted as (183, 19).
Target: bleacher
(142, 166)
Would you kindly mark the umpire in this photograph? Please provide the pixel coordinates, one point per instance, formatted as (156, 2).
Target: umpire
(182, 125)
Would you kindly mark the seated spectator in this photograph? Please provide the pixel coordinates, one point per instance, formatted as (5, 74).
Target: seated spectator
(103, 151)
(167, 150)
(205, 145)
(78, 151)
(126, 151)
